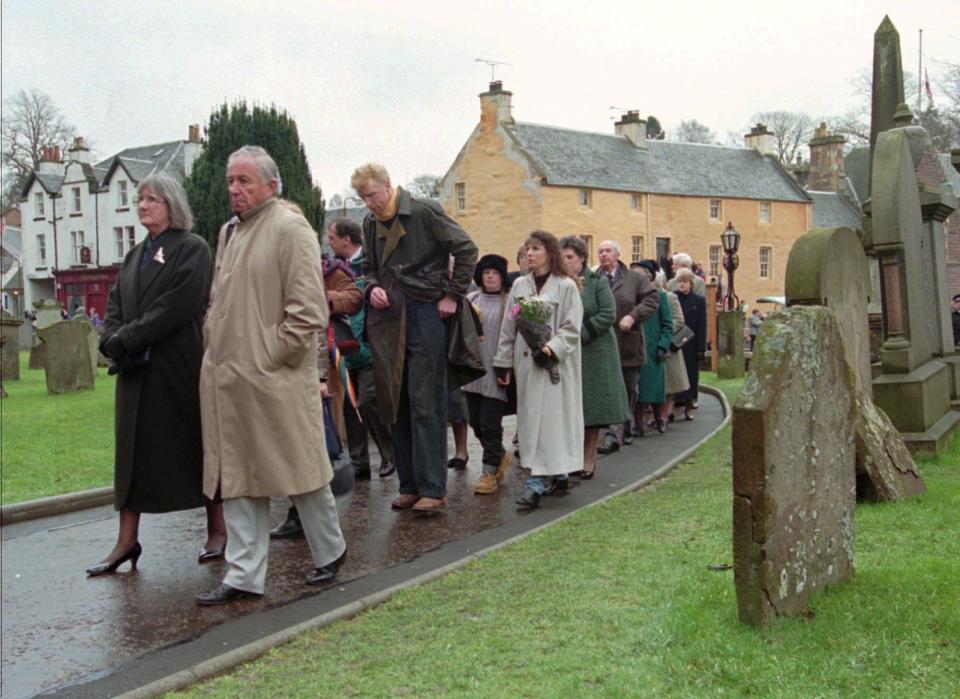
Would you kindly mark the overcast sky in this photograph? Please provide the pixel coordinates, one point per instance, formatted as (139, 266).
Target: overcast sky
(397, 82)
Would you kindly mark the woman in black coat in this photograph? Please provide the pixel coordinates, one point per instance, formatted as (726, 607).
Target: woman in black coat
(153, 337)
(694, 317)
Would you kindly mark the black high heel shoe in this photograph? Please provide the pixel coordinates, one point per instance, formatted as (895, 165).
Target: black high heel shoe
(107, 567)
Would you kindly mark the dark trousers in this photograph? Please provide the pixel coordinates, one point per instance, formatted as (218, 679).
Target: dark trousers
(358, 432)
(631, 374)
(486, 419)
(420, 432)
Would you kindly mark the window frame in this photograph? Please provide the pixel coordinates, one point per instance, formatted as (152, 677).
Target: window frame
(38, 205)
(123, 195)
(131, 237)
(719, 208)
(714, 264)
(460, 192)
(76, 240)
(765, 266)
(77, 200)
(768, 206)
(587, 239)
(585, 198)
(42, 249)
(636, 248)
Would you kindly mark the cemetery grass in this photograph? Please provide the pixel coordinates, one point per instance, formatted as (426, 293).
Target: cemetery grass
(619, 600)
(54, 444)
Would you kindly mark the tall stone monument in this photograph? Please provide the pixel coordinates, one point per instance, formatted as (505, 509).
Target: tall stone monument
(794, 483)
(905, 234)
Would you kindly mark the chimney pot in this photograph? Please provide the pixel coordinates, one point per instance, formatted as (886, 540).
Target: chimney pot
(495, 105)
(633, 127)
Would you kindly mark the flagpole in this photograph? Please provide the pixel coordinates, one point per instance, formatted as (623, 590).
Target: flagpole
(920, 78)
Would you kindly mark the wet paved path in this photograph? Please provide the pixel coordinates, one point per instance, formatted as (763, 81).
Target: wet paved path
(70, 635)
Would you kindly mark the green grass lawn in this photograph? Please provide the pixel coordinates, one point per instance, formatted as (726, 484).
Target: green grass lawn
(54, 444)
(618, 601)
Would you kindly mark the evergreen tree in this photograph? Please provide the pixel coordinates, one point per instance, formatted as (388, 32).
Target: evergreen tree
(238, 125)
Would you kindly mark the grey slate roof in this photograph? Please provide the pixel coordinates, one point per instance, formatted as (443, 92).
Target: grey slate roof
(607, 161)
(146, 160)
(51, 183)
(856, 165)
(831, 210)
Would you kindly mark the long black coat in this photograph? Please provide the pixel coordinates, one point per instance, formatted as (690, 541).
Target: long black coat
(694, 317)
(159, 452)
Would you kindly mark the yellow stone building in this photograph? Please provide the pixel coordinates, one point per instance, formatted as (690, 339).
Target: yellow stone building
(654, 197)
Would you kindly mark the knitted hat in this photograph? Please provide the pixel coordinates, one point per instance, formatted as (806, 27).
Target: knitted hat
(491, 262)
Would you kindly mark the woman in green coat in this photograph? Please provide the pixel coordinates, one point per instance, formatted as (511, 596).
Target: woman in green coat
(657, 332)
(604, 395)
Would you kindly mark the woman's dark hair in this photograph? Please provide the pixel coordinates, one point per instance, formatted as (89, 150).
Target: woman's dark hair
(576, 244)
(550, 244)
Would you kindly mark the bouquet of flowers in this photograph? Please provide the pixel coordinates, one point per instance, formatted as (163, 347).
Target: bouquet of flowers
(532, 316)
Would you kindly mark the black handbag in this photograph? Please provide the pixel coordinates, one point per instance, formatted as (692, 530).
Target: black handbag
(680, 338)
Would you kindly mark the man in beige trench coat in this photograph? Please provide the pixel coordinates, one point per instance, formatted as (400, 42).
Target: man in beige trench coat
(259, 383)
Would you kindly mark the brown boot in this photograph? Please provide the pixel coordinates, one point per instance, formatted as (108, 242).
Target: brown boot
(486, 485)
(405, 501)
(502, 468)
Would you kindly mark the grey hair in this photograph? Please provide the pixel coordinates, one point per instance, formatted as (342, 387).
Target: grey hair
(612, 243)
(682, 259)
(172, 193)
(265, 164)
(684, 274)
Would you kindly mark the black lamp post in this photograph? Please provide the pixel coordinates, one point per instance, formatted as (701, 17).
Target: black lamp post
(730, 239)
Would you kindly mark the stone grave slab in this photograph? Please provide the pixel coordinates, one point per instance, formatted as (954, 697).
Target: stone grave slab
(886, 471)
(10, 349)
(794, 473)
(67, 356)
(730, 359)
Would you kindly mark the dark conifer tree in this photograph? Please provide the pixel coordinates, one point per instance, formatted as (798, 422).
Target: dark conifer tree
(231, 127)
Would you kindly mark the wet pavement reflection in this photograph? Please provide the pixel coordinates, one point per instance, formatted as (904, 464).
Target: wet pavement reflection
(60, 627)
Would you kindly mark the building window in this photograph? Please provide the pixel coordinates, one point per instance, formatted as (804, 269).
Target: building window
(42, 250)
(636, 203)
(636, 248)
(76, 200)
(716, 210)
(714, 257)
(588, 241)
(461, 191)
(765, 254)
(118, 241)
(76, 241)
(38, 205)
(663, 248)
(765, 210)
(122, 200)
(585, 198)
(131, 238)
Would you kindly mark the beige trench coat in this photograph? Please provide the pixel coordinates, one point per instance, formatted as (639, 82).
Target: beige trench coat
(259, 385)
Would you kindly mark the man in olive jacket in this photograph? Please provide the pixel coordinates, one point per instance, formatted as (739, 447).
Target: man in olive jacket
(260, 384)
(417, 264)
(637, 299)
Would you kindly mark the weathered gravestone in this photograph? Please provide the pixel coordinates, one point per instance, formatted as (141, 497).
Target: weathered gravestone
(828, 267)
(10, 349)
(48, 313)
(793, 466)
(93, 340)
(905, 233)
(730, 360)
(68, 365)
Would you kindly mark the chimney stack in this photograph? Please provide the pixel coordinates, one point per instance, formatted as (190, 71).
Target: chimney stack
(760, 138)
(495, 105)
(633, 127)
(826, 160)
(79, 151)
(50, 161)
(193, 133)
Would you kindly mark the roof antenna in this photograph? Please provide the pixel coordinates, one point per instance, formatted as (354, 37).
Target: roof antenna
(622, 110)
(493, 66)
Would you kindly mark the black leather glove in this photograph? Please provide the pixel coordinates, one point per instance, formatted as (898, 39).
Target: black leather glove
(120, 364)
(542, 359)
(112, 347)
(661, 354)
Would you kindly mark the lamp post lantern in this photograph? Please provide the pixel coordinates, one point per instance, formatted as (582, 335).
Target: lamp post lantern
(730, 240)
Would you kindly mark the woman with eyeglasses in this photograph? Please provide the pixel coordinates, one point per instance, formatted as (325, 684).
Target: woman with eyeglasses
(153, 338)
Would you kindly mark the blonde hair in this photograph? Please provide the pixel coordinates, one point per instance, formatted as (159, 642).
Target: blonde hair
(684, 274)
(369, 171)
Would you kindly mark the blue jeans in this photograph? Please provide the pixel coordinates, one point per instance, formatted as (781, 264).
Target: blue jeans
(538, 483)
(420, 432)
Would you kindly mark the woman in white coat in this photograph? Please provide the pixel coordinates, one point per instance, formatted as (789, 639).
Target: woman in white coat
(549, 414)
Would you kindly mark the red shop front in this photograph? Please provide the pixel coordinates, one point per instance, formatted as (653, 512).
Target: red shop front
(86, 286)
